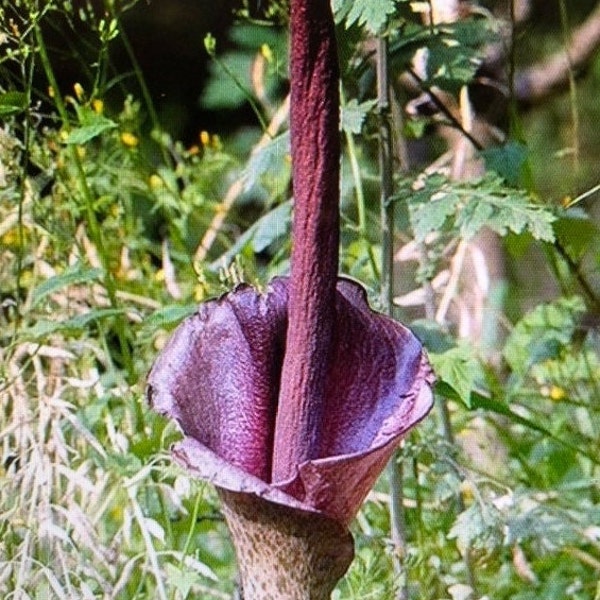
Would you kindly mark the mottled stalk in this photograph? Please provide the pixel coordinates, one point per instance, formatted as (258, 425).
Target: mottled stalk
(284, 553)
(314, 122)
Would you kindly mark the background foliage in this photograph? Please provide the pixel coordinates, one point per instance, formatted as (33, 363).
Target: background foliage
(111, 231)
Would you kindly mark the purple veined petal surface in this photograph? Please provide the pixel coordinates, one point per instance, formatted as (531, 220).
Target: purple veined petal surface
(219, 377)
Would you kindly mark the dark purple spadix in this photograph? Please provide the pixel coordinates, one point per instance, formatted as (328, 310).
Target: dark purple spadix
(292, 400)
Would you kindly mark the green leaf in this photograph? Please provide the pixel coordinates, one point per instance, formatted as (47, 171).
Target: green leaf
(268, 229)
(181, 579)
(43, 327)
(481, 402)
(273, 226)
(478, 527)
(459, 369)
(373, 14)
(12, 103)
(354, 115)
(468, 207)
(268, 159)
(576, 232)
(94, 126)
(542, 334)
(169, 316)
(71, 276)
(506, 160)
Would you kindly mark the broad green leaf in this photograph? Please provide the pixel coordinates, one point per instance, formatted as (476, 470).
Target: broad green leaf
(268, 159)
(479, 401)
(576, 232)
(182, 579)
(93, 128)
(268, 229)
(458, 368)
(44, 327)
(12, 103)
(76, 274)
(273, 226)
(506, 160)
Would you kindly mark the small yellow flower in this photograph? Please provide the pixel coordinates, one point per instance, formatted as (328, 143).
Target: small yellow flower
(64, 134)
(98, 106)
(155, 181)
(557, 393)
(50, 91)
(129, 139)
(159, 276)
(79, 91)
(266, 52)
(205, 138)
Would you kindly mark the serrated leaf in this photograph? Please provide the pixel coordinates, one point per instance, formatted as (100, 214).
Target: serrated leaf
(354, 115)
(459, 369)
(429, 212)
(477, 527)
(373, 14)
(468, 207)
(542, 333)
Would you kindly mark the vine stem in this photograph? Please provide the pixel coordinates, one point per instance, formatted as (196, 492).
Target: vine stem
(395, 474)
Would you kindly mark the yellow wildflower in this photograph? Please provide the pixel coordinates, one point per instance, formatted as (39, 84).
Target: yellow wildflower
(205, 138)
(79, 92)
(129, 139)
(266, 52)
(155, 181)
(557, 393)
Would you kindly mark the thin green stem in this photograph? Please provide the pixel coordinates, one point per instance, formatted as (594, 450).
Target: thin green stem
(245, 91)
(356, 176)
(398, 524)
(564, 22)
(86, 194)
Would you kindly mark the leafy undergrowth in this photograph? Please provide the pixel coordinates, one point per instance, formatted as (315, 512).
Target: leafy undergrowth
(110, 234)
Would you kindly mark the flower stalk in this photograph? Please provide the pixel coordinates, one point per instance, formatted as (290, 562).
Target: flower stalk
(314, 122)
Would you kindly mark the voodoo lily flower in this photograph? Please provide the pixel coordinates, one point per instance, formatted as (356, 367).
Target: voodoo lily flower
(292, 399)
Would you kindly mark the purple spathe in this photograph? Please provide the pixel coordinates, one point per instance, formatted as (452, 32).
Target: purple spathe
(220, 377)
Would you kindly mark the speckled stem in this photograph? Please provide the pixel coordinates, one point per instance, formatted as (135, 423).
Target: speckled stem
(284, 553)
(314, 116)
